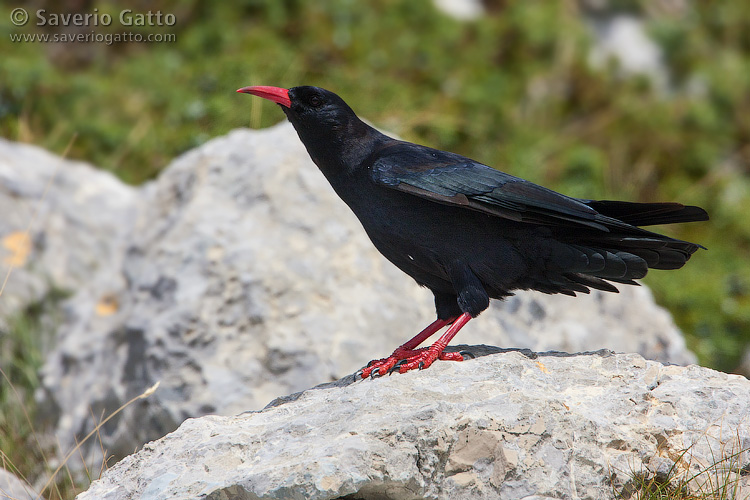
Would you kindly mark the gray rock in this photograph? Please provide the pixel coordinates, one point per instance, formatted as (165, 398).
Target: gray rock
(510, 426)
(12, 488)
(76, 217)
(463, 10)
(245, 277)
(624, 39)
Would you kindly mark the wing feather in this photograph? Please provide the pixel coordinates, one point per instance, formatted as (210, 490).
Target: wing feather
(455, 180)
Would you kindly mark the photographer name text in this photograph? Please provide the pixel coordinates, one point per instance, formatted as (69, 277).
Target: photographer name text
(127, 18)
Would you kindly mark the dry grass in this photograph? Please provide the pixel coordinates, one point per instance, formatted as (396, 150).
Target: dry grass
(691, 478)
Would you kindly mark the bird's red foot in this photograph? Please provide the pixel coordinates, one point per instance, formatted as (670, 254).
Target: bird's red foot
(403, 360)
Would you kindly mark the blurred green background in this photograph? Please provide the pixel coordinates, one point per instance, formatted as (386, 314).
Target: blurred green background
(526, 87)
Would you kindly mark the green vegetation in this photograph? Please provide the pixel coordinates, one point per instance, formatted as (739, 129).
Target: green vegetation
(513, 89)
(22, 342)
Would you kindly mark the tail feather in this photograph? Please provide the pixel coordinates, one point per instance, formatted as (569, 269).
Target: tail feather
(592, 282)
(648, 214)
(625, 282)
(622, 252)
(671, 259)
(651, 257)
(608, 263)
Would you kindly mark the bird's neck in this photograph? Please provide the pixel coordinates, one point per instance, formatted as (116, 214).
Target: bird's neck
(344, 154)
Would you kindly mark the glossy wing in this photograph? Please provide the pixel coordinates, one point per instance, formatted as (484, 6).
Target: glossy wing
(455, 180)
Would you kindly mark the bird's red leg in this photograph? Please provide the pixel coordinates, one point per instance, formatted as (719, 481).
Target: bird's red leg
(425, 334)
(425, 357)
(405, 351)
(406, 357)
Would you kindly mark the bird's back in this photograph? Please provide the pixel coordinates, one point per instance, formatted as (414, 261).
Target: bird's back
(426, 234)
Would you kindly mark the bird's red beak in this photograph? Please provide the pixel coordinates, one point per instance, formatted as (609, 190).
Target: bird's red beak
(275, 94)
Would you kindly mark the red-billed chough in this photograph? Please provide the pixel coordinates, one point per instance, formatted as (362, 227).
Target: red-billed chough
(469, 232)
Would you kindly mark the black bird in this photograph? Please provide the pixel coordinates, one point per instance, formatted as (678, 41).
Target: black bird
(467, 231)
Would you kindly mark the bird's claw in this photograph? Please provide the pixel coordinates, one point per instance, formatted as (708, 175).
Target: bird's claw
(397, 366)
(467, 355)
(404, 360)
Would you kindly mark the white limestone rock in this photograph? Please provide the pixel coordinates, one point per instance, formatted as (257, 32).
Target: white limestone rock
(508, 425)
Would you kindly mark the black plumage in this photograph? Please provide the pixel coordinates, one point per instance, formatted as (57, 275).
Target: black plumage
(469, 232)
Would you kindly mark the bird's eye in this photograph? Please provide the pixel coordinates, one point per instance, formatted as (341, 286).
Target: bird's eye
(316, 101)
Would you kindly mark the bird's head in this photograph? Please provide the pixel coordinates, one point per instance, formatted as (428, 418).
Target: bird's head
(326, 125)
(309, 107)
